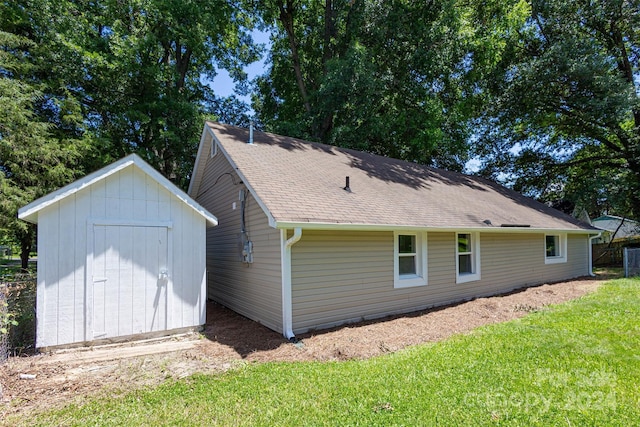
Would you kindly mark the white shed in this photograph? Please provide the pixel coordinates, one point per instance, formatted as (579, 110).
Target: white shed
(121, 253)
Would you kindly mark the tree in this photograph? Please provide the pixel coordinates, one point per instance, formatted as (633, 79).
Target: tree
(140, 69)
(565, 115)
(392, 78)
(33, 160)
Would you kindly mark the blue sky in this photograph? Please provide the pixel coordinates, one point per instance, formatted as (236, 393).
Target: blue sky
(223, 85)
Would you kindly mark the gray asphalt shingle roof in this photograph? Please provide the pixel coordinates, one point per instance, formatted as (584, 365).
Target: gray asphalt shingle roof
(303, 182)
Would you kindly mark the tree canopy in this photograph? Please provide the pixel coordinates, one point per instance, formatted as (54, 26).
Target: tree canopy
(564, 121)
(392, 78)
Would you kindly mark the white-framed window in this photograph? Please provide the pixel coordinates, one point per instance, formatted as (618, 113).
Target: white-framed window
(555, 248)
(214, 149)
(410, 259)
(467, 257)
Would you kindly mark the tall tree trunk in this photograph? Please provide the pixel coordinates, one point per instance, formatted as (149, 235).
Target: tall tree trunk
(328, 53)
(287, 20)
(26, 241)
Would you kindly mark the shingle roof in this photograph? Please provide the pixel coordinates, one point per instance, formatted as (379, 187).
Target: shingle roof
(300, 182)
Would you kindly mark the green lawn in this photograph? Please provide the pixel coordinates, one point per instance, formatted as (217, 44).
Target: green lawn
(576, 364)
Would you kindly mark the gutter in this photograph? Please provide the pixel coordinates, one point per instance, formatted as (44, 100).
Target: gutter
(590, 251)
(283, 225)
(287, 305)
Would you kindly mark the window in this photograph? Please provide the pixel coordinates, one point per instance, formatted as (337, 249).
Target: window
(467, 257)
(407, 254)
(555, 248)
(214, 149)
(410, 264)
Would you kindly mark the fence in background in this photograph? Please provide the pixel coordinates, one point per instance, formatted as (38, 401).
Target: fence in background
(4, 327)
(631, 262)
(17, 305)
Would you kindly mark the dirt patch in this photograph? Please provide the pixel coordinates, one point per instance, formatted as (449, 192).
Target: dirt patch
(47, 380)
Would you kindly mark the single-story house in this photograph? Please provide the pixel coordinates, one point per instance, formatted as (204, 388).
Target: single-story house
(615, 228)
(312, 236)
(121, 253)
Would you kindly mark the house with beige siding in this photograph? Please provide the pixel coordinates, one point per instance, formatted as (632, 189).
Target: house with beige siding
(311, 236)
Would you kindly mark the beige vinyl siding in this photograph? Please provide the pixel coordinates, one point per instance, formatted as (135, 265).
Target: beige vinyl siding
(253, 290)
(340, 277)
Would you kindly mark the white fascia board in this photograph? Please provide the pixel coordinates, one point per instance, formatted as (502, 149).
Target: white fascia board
(392, 227)
(196, 178)
(30, 211)
(263, 206)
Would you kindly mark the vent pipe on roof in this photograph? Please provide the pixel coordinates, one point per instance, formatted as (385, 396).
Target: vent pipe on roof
(251, 132)
(346, 187)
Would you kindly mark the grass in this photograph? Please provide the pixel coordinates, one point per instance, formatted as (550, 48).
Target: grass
(9, 268)
(575, 364)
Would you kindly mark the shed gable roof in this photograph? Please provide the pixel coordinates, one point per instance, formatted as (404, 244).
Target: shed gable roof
(300, 183)
(30, 211)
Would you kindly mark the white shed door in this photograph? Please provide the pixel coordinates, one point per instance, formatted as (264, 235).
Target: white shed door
(130, 278)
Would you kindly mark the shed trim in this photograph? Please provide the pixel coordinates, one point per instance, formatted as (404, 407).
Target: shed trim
(30, 211)
(129, 223)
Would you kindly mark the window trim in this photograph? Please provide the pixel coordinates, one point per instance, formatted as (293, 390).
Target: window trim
(475, 258)
(410, 280)
(558, 259)
(214, 150)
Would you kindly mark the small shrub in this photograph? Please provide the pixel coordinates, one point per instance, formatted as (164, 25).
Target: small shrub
(17, 313)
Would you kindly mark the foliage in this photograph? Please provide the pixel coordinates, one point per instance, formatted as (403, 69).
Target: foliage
(34, 157)
(393, 78)
(564, 122)
(7, 319)
(569, 364)
(137, 70)
(17, 309)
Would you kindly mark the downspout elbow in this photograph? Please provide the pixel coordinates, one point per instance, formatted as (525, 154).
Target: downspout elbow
(297, 235)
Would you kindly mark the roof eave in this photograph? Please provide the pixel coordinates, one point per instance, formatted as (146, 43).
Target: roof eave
(243, 178)
(400, 227)
(198, 166)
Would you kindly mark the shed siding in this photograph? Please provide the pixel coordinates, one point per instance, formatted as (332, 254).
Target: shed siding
(340, 277)
(63, 252)
(253, 290)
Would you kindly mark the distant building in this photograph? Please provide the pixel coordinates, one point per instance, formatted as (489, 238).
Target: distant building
(616, 228)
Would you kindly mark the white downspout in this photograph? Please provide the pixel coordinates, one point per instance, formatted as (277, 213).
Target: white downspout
(591, 253)
(287, 309)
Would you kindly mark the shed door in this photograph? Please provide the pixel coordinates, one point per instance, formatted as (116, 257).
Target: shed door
(130, 278)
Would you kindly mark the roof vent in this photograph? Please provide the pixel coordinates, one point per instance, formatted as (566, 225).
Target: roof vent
(251, 132)
(346, 187)
(487, 221)
(515, 225)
